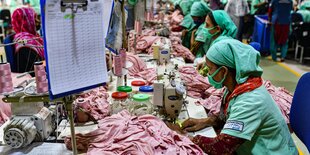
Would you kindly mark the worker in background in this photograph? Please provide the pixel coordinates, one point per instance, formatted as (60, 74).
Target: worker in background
(198, 45)
(237, 9)
(249, 119)
(187, 24)
(280, 18)
(25, 26)
(217, 23)
(35, 4)
(215, 4)
(258, 7)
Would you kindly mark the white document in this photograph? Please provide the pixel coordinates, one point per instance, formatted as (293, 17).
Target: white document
(76, 45)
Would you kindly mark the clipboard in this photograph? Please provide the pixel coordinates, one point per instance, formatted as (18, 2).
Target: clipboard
(74, 46)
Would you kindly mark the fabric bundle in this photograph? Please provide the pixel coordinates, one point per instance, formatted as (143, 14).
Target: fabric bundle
(124, 134)
(95, 105)
(140, 70)
(195, 83)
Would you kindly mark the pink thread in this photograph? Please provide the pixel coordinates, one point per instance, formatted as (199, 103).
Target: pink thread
(41, 81)
(6, 82)
(123, 55)
(138, 27)
(117, 65)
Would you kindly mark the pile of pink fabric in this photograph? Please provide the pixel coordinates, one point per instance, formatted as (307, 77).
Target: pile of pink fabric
(140, 70)
(143, 41)
(124, 134)
(213, 100)
(178, 49)
(175, 38)
(181, 51)
(195, 83)
(95, 106)
(282, 97)
(175, 19)
(5, 108)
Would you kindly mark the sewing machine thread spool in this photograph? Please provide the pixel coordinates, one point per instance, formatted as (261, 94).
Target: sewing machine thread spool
(118, 65)
(149, 16)
(123, 56)
(138, 27)
(41, 81)
(6, 82)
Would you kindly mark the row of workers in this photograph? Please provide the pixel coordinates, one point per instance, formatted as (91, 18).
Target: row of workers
(250, 122)
(198, 36)
(12, 5)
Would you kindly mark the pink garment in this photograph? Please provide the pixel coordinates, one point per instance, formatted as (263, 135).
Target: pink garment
(195, 83)
(96, 104)
(176, 18)
(140, 70)
(145, 42)
(142, 44)
(181, 51)
(213, 101)
(5, 108)
(23, 22)
(123, 134)
(282, 97)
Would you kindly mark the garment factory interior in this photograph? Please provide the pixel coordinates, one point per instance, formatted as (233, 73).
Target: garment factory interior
(153, 77)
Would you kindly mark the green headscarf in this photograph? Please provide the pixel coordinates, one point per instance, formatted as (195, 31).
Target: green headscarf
(200, 9)
(224, 21)
(176, 2)
(188, 22)
(305, 5)
(186, 6)
(305, 15)
(234, 54)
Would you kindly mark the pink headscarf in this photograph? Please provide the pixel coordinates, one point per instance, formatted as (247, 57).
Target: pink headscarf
(23, 21)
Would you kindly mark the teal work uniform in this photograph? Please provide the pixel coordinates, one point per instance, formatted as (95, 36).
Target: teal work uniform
(201, 36)
(188, 23)
(254, 116)
(253, 3)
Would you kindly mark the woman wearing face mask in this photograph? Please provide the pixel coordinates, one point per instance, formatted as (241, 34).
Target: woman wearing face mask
(24, 24)
(252, 123)
(198, 13)
(188, 25)
(217, 23)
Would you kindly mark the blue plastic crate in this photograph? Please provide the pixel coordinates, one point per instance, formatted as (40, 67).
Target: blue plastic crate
(261, 33)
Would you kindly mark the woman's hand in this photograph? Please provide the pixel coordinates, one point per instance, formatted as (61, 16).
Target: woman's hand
(200, 66)
(176, 128)
(192, 124)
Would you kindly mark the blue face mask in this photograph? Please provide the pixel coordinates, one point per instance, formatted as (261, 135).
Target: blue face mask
(215, 84)
(209, 35)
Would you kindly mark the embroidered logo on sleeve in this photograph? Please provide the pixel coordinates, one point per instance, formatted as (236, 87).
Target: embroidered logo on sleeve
(234, 125)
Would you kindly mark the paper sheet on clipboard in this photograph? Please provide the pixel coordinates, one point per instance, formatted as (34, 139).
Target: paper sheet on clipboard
(75, 45)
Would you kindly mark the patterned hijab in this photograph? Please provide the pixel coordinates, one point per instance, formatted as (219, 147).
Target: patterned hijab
(23, 22)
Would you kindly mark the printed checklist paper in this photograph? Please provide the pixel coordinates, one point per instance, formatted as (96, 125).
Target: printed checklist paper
(75, 45)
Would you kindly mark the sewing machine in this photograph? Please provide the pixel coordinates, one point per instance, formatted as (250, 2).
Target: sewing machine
(169, 91)
(34, 117)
